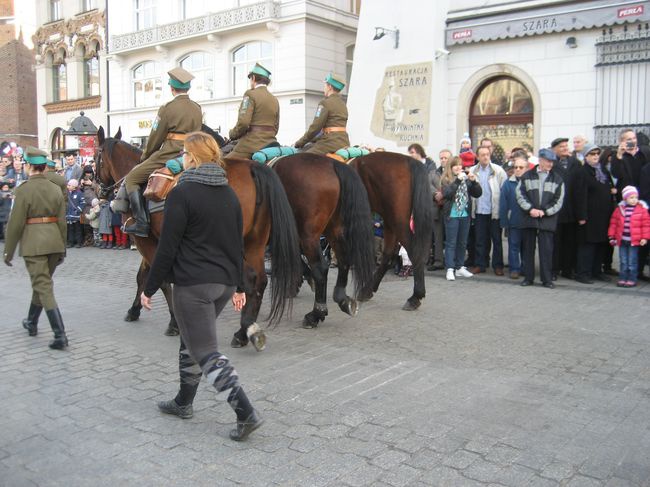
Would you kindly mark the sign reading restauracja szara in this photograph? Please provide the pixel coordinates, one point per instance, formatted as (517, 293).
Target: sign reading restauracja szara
(401, 112)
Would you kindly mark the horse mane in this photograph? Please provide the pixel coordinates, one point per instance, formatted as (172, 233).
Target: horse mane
(111, 142)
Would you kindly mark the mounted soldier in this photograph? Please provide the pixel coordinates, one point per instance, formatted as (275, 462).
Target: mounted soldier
(174, 120)
(328, 130)
(259, 116)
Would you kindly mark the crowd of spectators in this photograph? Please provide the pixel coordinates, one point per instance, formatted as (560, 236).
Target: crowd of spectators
(90, 220)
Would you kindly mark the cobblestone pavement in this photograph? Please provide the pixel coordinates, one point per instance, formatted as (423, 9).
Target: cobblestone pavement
(488, 384)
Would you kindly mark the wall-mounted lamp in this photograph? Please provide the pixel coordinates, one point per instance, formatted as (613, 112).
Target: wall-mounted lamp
(441, 52)
(571, 42)
(381, 32)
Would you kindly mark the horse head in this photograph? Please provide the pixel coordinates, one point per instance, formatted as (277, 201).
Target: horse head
(114, 159)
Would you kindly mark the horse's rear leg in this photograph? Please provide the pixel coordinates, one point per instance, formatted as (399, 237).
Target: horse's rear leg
(133, 314)
(419, 292)
(346, 303)
(319, 267)
(387, 258)
(172, 327)
(249, 329)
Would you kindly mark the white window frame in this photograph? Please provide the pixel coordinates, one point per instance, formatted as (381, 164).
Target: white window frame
(144, 12)
(193, 8)
(56, 82)
(155, 78)
(203, 74)
(239, 69)
(54, 10)
(88, 5)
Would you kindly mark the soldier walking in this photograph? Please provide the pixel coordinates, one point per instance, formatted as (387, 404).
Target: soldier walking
(328, 130)
(174, 121)
(259, 116)
(37, 221)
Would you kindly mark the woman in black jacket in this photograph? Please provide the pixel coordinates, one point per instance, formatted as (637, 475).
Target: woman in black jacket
(201, 252)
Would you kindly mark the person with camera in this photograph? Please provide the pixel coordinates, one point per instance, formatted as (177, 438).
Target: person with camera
(458, 189)
(629, 160)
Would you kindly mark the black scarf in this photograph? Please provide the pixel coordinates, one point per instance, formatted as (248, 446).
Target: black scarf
(209, 173)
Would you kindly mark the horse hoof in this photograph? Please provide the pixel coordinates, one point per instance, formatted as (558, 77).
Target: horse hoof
(411, 306)
(256, 336)
(237, 343)
(171, 331)
(354, 307)
(349, 306)
(131, 317)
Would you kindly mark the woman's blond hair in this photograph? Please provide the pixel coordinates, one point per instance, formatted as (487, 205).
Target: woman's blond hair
(202, 148)
(447, 175)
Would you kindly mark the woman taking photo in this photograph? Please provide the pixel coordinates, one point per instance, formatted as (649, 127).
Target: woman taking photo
(457, 190)
(201, 252)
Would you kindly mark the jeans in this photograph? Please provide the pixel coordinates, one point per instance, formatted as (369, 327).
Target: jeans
(515, 249)
(456, 231)
(629, 257)
(488, 235)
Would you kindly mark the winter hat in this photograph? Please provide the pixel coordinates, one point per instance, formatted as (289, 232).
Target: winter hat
(466, 139)
(94, 202)
(629, 191)
(74, 183)
(467, 158)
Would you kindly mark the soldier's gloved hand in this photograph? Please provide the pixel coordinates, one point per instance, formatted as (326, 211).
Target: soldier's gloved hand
(8, 261)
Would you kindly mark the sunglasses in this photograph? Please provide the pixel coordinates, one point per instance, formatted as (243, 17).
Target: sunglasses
(520, 167)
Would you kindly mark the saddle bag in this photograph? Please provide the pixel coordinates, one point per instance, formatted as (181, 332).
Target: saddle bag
(160, 183)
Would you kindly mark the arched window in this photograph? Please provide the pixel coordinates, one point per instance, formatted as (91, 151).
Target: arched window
(243, 60)
(57, 145)
(201, 65)
(502, 110)
(59, 77)
(91, 71)
(147, 84)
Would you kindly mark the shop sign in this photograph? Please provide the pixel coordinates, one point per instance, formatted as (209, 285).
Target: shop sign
(630, 11)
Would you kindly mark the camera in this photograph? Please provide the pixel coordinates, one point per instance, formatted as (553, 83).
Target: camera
(630, 144)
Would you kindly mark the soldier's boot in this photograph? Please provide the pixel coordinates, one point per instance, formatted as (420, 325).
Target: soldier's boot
(141, 226)
(31, 322)
(56, 322)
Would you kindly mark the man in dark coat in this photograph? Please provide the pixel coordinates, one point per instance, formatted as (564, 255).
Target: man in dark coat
(565, 247)
(540, 194)
(593, 206)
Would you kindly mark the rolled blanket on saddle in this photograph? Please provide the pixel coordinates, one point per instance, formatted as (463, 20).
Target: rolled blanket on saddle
(265, 155)
(352, 152)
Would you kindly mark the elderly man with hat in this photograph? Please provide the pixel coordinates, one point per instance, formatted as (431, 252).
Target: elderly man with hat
(328, 130)
(259, 116)
(174, 121)
(37, 221)
(593, 206)
(540, 194)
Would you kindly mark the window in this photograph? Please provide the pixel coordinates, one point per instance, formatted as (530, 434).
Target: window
(147, 84)
(193, 8)
(349, 57)
(355, 6)
(144, 14)
(502, 110)
(59, 82)
(243, 60)
(91, 76)
(55, 10)
(201, 65)
(87, 5)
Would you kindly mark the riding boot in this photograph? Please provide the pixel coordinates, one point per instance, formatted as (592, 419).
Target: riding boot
(56, 322)
(141, 226)
(31, 322)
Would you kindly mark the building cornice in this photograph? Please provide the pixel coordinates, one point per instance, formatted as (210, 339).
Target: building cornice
(86, 28)
(73, 105)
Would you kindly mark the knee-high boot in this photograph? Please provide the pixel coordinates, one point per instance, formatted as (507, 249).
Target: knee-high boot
(141, 226)
(56, 322)
(31, 322)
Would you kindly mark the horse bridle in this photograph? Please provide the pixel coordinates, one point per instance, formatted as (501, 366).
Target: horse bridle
(105, 190)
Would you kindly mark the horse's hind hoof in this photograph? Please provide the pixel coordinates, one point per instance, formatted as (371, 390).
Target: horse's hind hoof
(172, 330)
(308, 324)
(131, 316)
(237, 343)
(256, 336)
(411, 305)
(350, 306)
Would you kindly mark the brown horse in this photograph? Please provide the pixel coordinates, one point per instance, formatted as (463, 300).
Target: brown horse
(398, 190)
(329, 199)
(266, 215)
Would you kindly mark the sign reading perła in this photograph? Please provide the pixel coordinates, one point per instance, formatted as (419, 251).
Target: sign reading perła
(401, 111)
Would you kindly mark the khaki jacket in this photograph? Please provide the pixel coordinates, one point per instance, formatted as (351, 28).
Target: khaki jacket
(331, 112)
(258, 107)
(58, 180)
(36, 197)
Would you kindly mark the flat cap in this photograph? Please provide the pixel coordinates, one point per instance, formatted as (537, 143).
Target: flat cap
(558, 141)
(547, 154)
(590, 148)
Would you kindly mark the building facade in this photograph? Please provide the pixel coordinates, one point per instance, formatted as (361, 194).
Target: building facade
(519, 72)
(299, 41)
(70, 77)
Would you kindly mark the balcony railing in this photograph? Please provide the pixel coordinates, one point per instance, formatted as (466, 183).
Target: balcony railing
(206, 24)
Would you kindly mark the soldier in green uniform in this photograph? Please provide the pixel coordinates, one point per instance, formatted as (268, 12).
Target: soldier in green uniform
(327, 131)
(259, 116)
(174, 120)
(50, 173)
(37, 221)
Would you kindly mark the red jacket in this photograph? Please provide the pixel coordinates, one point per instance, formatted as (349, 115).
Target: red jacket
(639, 223)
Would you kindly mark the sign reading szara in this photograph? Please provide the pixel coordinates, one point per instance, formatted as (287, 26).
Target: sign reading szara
(401, 111)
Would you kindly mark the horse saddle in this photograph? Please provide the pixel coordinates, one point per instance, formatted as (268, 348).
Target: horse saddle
(269, 155)
(348, 154)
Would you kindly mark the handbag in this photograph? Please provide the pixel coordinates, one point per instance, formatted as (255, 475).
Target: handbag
(160, 183)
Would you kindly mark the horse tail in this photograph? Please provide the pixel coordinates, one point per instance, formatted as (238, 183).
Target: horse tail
(422, 211)
(357, 224)
(286, 266)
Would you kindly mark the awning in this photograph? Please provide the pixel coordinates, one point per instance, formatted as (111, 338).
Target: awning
(543, 20)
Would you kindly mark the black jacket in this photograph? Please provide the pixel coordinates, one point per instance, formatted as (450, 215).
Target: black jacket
(552, 199)
(568, 174)
(201, 240)
(627, 170)
(593, 202)
(449, 194)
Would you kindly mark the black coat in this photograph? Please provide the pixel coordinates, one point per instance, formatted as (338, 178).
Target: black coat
(644, 184)
(627, 170)
(593, 201)
(449, 194)
(567, 213)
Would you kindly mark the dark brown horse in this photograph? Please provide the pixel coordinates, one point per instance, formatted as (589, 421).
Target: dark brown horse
(329, 199)
(398, 190)
(266, 215)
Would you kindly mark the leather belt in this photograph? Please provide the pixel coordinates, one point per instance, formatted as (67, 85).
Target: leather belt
(175, 136)
(41, 219)
(261, 128)
(329, 130)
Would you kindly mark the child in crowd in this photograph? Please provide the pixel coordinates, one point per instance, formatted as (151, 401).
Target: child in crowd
(93, 221)
(121, 239)
(629, 228)
(465, 153)
(106, 225)
(73, 214)
(6, 198)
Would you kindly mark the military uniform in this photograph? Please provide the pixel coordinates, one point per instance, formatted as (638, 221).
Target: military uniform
(37, 221)
(327, 131)
(56, 178)
(259, 119)
(174, 120)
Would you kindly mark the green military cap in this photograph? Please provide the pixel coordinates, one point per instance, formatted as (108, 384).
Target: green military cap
(335, 81)
(51, 163)
(180, 78)
(35, 157)
(260, 70)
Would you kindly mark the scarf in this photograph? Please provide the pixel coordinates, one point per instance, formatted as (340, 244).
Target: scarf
(600, 175)
(460, 199)
(210, 174)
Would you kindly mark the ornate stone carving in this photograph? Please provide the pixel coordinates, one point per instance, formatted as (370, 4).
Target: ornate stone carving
(86, 29)
(73, 105)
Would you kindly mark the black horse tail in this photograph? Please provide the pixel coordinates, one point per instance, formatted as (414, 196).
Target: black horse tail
(357, 224)
(286, 266)
(422, 211)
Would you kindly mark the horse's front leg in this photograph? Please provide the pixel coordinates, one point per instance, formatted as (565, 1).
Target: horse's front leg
(133, 314)
(319, 267)
(346, 303)
(419, 291)
(172, 327)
